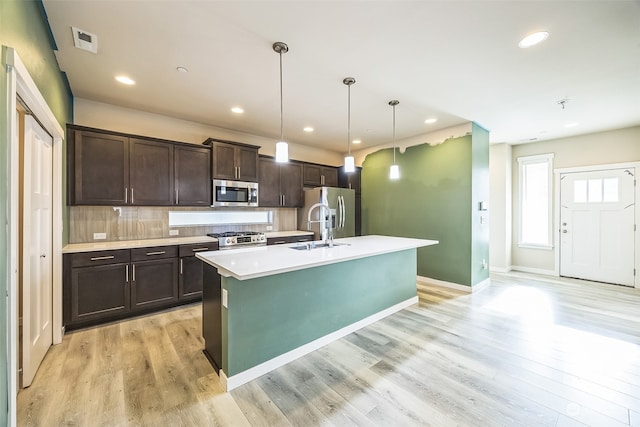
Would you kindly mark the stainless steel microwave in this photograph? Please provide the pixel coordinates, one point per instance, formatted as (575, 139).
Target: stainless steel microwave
(235, 193)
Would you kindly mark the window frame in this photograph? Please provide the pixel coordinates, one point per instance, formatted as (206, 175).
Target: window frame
(522, 163)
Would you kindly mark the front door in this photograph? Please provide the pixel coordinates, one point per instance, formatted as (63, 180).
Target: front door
(37, 330)
(597, 225)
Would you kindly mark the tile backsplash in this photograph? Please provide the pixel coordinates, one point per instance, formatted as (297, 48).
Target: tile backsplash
(132, 223)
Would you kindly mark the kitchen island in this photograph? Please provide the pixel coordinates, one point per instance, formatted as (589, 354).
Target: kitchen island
(264, 307)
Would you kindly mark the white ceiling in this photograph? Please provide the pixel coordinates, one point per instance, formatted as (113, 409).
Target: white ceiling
(457, 61)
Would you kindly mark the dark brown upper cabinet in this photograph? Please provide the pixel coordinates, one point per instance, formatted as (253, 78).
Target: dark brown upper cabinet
(233, 160)
(192, 176)
(350, 179)
(113, 169)
(320, 175)
(98, 168)
(280, 184)
(151, 176)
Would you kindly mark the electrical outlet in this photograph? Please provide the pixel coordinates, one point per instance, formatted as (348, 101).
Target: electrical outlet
(225, 299)
(269, 227)
(174, 232)
(99, 236)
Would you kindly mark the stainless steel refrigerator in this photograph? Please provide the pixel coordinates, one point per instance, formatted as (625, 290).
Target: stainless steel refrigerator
(342, 204)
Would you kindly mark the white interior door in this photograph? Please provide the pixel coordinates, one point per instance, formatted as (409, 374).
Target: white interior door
(37, 283)
(597, 228)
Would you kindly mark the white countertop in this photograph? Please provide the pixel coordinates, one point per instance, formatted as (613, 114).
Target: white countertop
(290, 233)
(131, 244)
(262, 261)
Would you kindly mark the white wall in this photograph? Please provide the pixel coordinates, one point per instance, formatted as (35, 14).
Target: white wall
(500, 207)
(120, 119)
(615, 146)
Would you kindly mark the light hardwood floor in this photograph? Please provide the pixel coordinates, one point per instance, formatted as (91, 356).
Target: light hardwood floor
(523, 352)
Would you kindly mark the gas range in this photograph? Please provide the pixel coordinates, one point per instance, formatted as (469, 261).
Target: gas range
(239, 239)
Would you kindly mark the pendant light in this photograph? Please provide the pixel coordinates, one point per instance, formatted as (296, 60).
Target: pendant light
(349, 163)
(282, 148)
(394, 172)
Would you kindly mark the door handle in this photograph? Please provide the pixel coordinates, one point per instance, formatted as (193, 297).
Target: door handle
(43, 256)
(565, 231)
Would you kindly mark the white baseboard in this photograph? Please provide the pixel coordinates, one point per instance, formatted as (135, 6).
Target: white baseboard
(470, 289)
(534, 270)
(229, 383)
(502, 270)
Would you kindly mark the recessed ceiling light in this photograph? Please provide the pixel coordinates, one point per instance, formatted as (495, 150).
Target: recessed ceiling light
(431, 120)
(182, 69)
(533, 39)
(570, 125)
(125, 80)
(308, 129)
(237, 110)
(356, 141)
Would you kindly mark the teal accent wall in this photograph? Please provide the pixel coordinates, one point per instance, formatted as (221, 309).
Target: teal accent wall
(479, 193)
(23, 26)
(435, 198)
(272, 315)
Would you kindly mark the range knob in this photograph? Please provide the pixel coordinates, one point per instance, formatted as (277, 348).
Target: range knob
(228, 240)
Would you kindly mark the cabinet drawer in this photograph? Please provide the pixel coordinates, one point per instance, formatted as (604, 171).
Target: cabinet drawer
(289, 239)
(86, 259)
(190, 250)
(156, 252)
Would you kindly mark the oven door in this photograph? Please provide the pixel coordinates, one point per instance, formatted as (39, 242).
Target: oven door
(234, 193)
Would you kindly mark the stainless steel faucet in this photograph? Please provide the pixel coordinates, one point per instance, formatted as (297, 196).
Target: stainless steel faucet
(329, 239)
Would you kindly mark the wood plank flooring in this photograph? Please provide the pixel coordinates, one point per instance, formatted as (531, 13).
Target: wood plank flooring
(523, 352)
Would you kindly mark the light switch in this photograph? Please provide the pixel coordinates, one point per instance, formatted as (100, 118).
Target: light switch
(174, 232)
(99, 236)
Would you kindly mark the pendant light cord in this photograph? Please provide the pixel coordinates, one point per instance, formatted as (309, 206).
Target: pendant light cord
(394, 134)
(281, 107)
(349, 120)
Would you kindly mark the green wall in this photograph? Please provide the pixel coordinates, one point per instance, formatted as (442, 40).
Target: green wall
(435, 198)
(24, 27)
(272, 315)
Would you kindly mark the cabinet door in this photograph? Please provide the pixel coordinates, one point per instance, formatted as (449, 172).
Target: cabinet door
(247, 161)
(330, 176)
(154, 283)
(269, 189)
(99, 292)
(192, 176)
(312, 175)
(151, 173)
(291, 185)
(190, 284)
(350, 180)
(224, 164)
(98, 169)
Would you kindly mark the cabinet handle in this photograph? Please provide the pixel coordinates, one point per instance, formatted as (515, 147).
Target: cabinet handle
(279, 242)
(126, 195)
(321, 179)
(131, 195)
(156, 253)
(238, 175)
(127, 273)
(284, 200)
(133, 273)
(100, 258)
(177, 199)
(181, 266)
(199, 249)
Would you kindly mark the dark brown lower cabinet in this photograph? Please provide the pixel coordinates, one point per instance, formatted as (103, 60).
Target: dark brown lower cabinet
(154, 283)
(191, 271)
(99, 292)
(111, 285)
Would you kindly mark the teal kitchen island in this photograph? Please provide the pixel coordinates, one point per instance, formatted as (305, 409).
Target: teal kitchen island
(264, 307)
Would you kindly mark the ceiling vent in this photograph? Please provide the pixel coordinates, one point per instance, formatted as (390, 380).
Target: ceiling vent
(84, 40)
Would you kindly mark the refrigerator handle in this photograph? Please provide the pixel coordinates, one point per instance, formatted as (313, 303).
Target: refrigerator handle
(344, 212)
(341, 205)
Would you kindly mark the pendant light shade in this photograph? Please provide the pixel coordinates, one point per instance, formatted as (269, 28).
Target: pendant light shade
(349, 162)
(282, 148)
(394, 172)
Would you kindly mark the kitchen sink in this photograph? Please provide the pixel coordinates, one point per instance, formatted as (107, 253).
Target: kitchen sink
(309, 246)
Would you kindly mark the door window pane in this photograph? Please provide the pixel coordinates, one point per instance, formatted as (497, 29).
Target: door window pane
(610, 190)
(580, 191)
(595, 190)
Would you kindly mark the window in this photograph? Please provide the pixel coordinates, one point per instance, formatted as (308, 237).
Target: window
(596, 190)
(535, 201)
